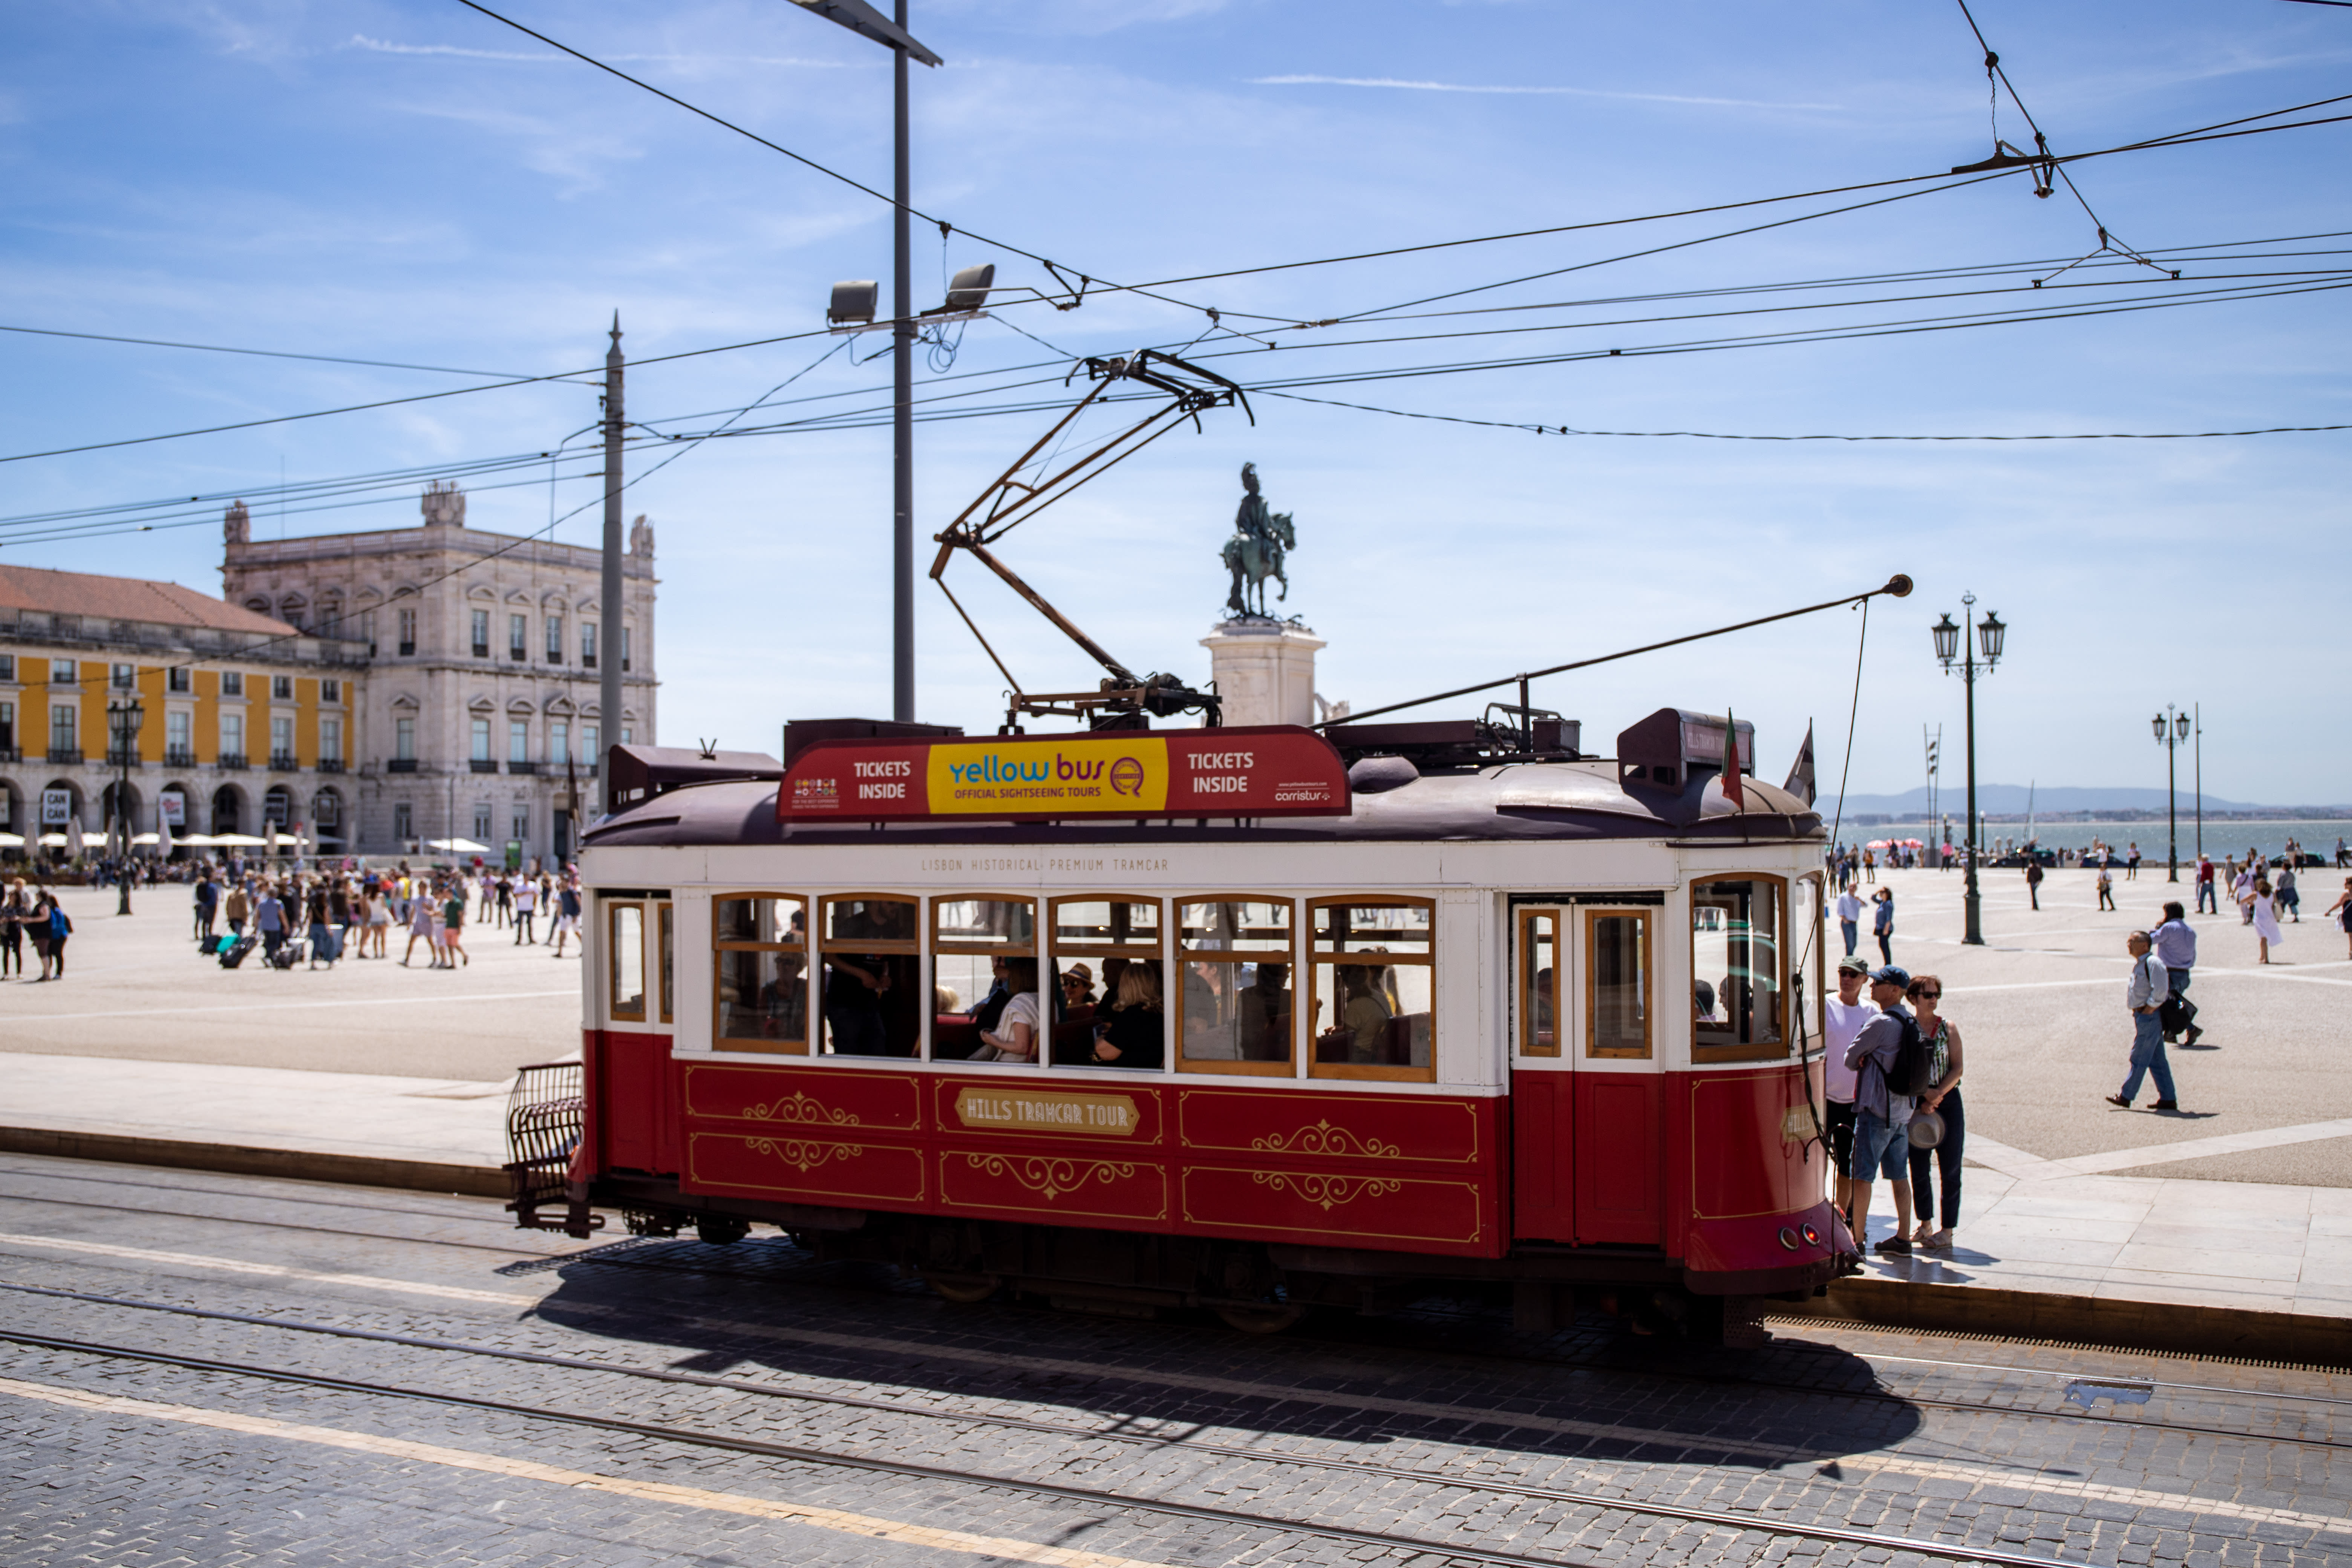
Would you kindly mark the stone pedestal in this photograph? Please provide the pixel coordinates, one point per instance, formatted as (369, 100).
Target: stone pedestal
(1264, 671)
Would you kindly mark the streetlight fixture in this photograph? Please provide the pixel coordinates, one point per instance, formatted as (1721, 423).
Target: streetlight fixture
(123, 724)
(1952, 641)
(891, 33)
(2171, 728)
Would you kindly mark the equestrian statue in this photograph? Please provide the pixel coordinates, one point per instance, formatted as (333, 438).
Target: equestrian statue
(1255, 552)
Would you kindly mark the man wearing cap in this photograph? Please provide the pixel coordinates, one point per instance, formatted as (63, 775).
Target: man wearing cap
(1881, 1115)
(1848, 1011)
(2144, 994)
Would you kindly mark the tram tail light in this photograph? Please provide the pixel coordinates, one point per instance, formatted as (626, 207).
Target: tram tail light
(1813, 1235)
(1788, 1237)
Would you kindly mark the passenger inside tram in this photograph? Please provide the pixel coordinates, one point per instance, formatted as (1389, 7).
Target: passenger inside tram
(1133, 1032)
(870, 988)
(1014, 1036)
(1366, 1009)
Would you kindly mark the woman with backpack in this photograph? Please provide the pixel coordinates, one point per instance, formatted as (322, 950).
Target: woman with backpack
(1942, 1099)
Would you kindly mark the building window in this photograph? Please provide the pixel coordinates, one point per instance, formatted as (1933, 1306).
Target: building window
(330, 691)
(521, 824)
(367, 630)
(404, 821)
(763, 975)
(407, 633)
(124, 677)
(1233, 996)
(176, 679)
(7, 730)
(61, 672)
(232, 736)
(517, 638)
(403, 739)
(555, 640)
(63, 716)
(559, 742)
(587, 645)
(330, 619)
(7, 666)
(178, 730)
(481, 634)
(330, 740)
(1736, 968)
(482, 823)
(232, 683)
(281, 688)
(518, 741)
(482, 741)
(625, 650)
(281, 743)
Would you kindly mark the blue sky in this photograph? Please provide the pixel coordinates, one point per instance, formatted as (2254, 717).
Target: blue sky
(413, 182)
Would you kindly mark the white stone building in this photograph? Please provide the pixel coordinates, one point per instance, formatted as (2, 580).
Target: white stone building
(481, 669)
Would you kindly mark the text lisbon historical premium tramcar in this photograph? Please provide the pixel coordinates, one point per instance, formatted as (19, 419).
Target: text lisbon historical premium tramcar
(1400, 1006)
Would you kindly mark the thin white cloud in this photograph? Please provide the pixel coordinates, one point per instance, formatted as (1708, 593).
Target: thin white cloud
(1530, 91)
(385, 46)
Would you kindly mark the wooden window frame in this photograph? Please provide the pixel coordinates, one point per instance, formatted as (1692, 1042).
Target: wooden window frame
(882, 947)
(612, 1009)
(1366, 1071)
(1817, 1009)
(665, 952)
(934, 950)
(1593, 1051)
(721, 948)
(1778, 1050)
(1235, 958)
(1525, 982)
(1131, 953)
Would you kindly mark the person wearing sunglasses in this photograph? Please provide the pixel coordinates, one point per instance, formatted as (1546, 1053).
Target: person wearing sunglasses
(1925, 994)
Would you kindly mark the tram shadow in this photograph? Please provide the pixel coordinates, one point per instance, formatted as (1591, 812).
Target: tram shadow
(1448, 1369)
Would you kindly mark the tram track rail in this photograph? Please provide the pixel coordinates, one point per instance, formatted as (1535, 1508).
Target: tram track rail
(605, 1257)
(1097, 1497)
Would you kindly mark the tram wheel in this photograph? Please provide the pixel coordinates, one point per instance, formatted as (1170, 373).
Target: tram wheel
(721, 1230)
(962, 1287)
(1270, 1319)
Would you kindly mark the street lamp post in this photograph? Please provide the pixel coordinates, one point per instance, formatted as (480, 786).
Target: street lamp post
(122, 722)
(2172, 729)
(1953, 641)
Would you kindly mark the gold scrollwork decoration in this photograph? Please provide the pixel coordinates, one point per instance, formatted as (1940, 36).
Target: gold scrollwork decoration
(1050, 1178)
(805, 1154)
(1325, 1139)
(1327, 1192)
(801, 1110)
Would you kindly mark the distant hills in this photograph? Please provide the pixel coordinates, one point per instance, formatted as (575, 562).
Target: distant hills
(2005, 800)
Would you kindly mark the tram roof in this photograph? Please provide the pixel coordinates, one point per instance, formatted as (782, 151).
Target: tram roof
(1580, 800)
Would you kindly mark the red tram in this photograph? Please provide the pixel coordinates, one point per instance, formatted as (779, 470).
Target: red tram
(1397, 1006)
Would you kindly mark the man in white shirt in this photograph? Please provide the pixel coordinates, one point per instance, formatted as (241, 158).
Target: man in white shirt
(2144, 994)
(1848, 914)
(1848, 1011)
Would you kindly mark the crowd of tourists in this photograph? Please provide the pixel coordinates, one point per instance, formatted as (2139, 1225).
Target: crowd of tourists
(321, 917)
(33, 917)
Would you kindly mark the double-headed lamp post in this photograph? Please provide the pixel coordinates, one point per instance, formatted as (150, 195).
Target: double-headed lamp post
(122, 722)
(1952, 642)
(2171, 731)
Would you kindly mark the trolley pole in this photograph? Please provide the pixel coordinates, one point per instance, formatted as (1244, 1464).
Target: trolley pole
(608, 640)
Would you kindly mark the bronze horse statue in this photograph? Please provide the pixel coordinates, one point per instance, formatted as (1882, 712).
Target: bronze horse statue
(1256, 551)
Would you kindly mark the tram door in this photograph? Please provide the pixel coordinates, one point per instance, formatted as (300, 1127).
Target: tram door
(1587, 1095)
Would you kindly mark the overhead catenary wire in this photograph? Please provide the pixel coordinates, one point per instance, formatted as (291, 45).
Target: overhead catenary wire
(258, 353)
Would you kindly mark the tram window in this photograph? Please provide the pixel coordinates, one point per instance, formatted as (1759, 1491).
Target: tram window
(1617, 983)
(626, 923)
(1538, 984)
(762, 974)
(666, 928)
(873, 995)
(1119, 1019)
(1736, 969)
(1373, 971)
(1233, 1013)
(983, 959)
(1805, 963)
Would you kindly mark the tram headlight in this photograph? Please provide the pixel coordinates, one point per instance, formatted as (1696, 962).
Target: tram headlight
(1788, 1237)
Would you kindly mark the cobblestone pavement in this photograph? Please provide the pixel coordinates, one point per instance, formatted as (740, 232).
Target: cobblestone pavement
(197, 1368)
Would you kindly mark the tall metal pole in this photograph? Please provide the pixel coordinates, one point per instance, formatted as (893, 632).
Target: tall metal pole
(902, 419)
(2172, 802)
(608, 649)
(1974, 935)
(2197, 724)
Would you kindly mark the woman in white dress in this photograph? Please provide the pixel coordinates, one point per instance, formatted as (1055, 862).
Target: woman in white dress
(2261, 908)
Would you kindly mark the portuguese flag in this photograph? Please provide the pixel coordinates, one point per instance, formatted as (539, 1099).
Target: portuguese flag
(1731, 790)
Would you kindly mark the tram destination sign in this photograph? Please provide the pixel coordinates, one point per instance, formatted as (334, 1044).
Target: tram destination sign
(1258, 771)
